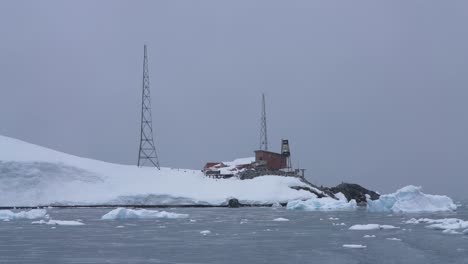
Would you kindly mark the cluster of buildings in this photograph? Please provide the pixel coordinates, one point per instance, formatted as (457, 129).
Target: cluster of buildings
(265, 163)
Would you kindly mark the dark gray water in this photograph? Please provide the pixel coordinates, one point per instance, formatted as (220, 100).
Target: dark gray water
(246, 235)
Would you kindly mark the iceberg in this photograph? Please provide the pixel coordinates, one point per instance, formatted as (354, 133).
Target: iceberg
(411, 199)
(59, 222)
(32, 214)
(124, 213)
(372, 227)
(325, 203)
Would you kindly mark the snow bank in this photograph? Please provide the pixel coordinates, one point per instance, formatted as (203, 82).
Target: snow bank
(32, 214)
(354, 246)
(59, 222)
(410, 199)
(124, 213)
(325, 203)
(32, 175)
(372, 227)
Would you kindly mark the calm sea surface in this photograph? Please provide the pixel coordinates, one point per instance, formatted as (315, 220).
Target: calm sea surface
(245, 235)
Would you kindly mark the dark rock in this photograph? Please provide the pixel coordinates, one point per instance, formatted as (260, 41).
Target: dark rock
(233, 203)
(354, 191)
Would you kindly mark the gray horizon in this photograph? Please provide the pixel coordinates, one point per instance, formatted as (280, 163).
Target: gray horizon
(372, 93)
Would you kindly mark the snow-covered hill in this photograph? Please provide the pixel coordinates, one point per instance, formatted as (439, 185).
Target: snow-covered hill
(31, 175)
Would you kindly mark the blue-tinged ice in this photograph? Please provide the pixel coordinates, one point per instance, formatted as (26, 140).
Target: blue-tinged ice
(32, 214)
(411, 199)
(124, 213)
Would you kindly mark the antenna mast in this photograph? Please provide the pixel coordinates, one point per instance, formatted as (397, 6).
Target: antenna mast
(263, 128)
(147, 153)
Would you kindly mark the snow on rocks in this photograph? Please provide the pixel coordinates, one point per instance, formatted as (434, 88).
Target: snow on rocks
(411, 199)
(124, 213)
(354, 246)
(59, 222)
(372, 227)
(280, 219)
(325, 203)
(32, 214)
(205, 232)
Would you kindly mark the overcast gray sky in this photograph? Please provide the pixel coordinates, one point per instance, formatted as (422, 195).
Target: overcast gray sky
(371, 92)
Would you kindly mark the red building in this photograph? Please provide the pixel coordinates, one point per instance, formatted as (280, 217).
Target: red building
(272, 160)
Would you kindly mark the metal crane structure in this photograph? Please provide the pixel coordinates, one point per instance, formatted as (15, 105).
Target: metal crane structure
(263, 127)
(147, 154)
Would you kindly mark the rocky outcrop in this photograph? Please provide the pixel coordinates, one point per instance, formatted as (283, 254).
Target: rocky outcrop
(353, 191)
(234, 203)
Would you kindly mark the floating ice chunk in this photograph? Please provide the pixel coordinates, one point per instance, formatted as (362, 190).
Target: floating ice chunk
(280, 219)
(205, 232)
(244, 221)
(451, 232)
(124, 213)
(369, 236)
(325, 203)
(410, 199)
(393, 239)
(276, 205)
(354, 246)
(372, 227)
(32, 214)
(465, 231)
(119, 226)
(333, 218)
(440, 224)
(340, 224)
(193, 220)
(59, 222)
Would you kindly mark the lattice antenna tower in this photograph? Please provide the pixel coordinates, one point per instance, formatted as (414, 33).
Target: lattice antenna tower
(263, 127)
(147, 154)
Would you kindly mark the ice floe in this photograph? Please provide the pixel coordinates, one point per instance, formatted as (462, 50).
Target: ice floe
(124, 213)
(354, 246)
(448, 225)
(368, 236)
(31, 214)
(393, 239)
(280, 219)
(372, 227)
(59, 222)
(411, 199)
(205, 232)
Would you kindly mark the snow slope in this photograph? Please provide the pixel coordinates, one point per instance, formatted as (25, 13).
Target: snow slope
(31, 175)
(411, 199)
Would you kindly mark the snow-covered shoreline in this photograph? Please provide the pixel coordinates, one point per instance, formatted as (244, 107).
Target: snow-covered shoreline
(32, 176)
